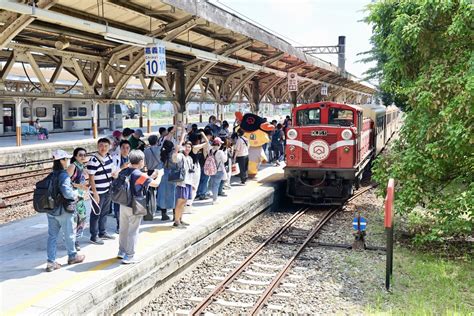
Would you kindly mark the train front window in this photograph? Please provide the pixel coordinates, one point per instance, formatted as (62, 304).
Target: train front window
(309, 117)
(341, 117)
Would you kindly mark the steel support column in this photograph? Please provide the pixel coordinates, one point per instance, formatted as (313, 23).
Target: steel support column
(140, 114)
(148, 117)
(180, 93)
(293, 99)
(95, 111)
(18, 103)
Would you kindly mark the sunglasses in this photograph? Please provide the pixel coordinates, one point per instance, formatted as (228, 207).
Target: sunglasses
(82, 155)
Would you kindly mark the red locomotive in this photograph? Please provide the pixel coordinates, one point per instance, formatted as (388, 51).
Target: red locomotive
(328, 147)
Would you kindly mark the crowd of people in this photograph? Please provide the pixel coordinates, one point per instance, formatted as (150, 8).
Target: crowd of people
(179, 165)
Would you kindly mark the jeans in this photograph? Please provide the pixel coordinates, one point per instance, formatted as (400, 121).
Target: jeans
(215, 183)
(203, 184)
(128, 233)
(243, 162)
(55, 223)
(221, 187)
(98, 222)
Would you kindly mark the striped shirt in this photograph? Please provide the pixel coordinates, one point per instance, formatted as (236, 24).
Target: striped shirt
(102, 173)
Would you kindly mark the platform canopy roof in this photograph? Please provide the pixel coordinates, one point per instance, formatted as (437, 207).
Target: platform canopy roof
(100, 43)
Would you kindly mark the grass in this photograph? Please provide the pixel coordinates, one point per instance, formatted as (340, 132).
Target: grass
(424, 284)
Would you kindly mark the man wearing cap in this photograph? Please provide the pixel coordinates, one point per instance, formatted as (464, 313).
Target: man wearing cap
(61, 217)
(135, 141)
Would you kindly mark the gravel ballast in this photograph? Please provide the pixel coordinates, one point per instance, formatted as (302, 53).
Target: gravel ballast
(322, 280)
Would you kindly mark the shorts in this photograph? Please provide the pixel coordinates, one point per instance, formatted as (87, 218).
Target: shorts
(185, 193)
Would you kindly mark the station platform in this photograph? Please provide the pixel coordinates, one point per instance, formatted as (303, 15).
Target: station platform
(35, 150)
(101, 284)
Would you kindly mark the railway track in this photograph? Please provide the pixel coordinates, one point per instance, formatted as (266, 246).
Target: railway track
(254, 259)
(28, 194)
(23, 175)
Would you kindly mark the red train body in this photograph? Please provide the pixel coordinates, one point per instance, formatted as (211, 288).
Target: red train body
(328, 147)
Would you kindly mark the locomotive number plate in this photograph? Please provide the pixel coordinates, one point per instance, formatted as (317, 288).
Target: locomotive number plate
(319, 133)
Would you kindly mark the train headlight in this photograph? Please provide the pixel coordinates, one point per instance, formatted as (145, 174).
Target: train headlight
(346, 149)
(292, 134)
(346, 134)
(292, 157)
(292, 148)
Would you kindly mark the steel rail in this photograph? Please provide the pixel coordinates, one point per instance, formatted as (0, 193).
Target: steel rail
(11, 196)
(26, 175)
(276, 281)
(236, 272)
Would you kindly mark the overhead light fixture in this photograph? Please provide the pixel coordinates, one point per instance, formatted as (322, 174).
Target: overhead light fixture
(252, 67)
(281, 74)
(207, 58)
(124, 39)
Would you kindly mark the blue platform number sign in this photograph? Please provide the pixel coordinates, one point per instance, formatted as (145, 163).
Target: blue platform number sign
(359, 223)
(155, 60)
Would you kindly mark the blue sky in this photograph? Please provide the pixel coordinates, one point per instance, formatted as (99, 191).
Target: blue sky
(313, 22)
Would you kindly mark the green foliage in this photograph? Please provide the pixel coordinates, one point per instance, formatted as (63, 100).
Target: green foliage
(424, 284)
(425, 59)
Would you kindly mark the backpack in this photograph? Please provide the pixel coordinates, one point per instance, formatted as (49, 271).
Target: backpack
(120, 188)
(45, 194)
(210, 165)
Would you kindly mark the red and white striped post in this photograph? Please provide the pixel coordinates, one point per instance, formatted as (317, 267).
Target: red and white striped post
(389, 230)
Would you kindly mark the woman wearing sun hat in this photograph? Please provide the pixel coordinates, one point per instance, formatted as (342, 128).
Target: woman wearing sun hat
(60, 218)
(221, 158)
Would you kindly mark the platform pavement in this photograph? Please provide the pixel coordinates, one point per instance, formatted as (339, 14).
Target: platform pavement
(27, 289)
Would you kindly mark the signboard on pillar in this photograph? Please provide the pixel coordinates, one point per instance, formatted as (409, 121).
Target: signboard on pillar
(155, 60)
(292, 81)
(324, 89)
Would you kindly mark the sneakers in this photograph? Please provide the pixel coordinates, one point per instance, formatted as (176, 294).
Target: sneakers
(97, 241)
(76, 259)
(107, 236)
(121, 255)
(51, 266)
(222, 194)
(128, 260)
(185, 224)
(78, 247)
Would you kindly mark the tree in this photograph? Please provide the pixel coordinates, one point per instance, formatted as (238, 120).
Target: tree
(425, 59)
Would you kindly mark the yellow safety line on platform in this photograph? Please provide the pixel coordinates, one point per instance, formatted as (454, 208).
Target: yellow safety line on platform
(148, 237)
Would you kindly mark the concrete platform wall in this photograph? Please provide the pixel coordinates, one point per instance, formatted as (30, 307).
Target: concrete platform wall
(122, 292)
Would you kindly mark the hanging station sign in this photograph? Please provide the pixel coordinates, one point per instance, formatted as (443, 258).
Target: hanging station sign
(292, 81)
(155, 60)
(324, 89)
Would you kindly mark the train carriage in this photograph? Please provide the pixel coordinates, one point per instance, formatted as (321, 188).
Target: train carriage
(327, 149)
(59, 115)
(330, 145)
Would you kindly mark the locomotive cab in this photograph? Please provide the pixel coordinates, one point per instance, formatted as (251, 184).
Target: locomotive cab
(325, 152)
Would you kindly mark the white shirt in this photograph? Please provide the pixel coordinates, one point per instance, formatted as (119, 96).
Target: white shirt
(241, 147)
(221, 159)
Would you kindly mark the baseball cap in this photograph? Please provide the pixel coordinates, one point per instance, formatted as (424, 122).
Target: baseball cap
(60, 154)
(117, 134)
(217, 141)
(139, 132)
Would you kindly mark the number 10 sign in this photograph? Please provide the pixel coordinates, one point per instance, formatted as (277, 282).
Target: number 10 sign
(155, 60)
